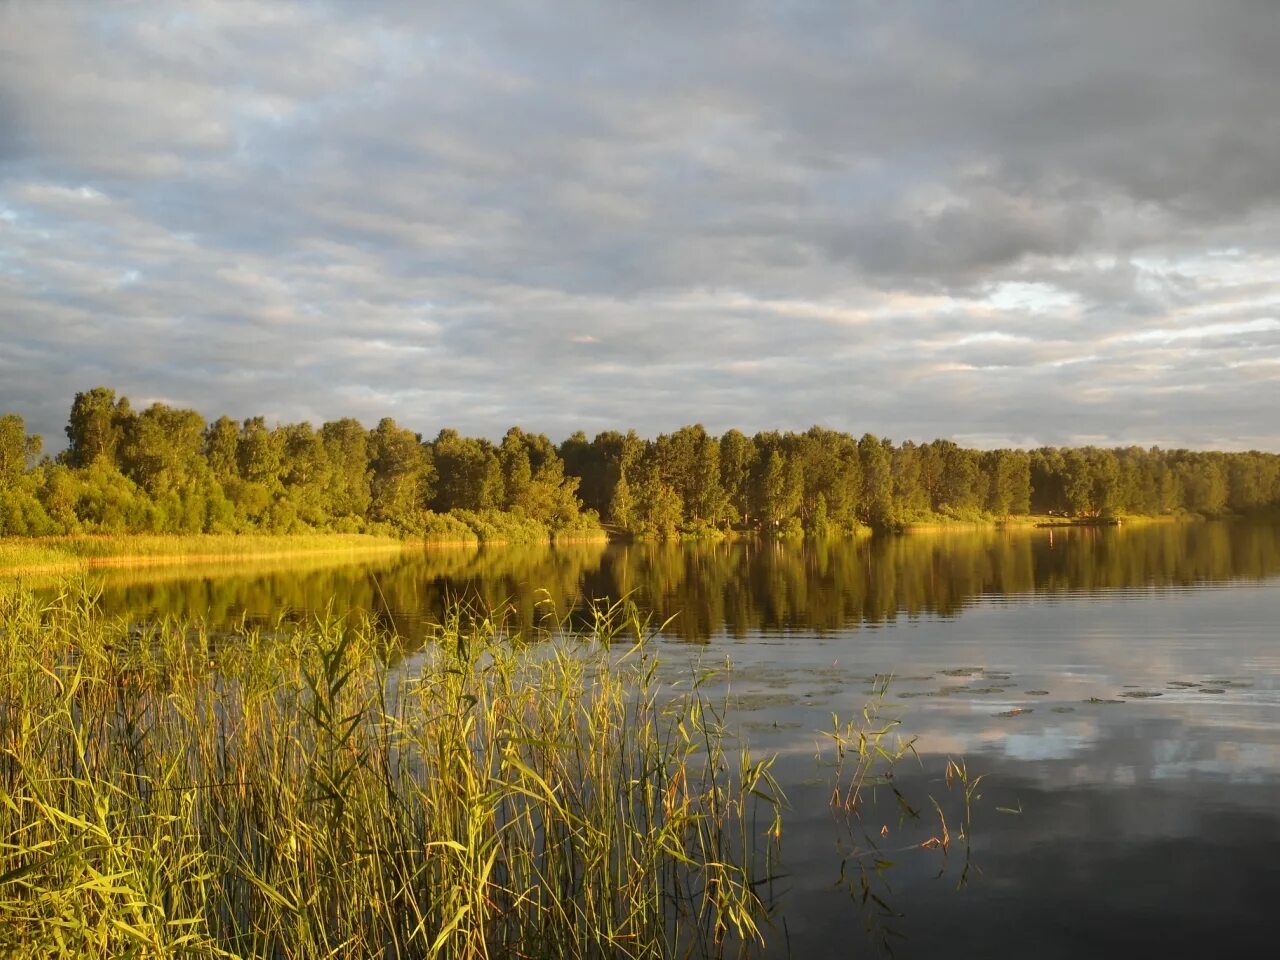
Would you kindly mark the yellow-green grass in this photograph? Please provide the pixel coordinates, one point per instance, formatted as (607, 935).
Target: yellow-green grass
(169, 792)
(70, 553)
(154, 574)
(1025, 521)
(164, 793)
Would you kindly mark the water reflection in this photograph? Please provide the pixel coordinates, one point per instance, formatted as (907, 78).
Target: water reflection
(1139, 824)
(739, 589)
(1106, 829)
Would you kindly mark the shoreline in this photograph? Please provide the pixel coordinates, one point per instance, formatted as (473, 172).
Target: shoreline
(20, 556)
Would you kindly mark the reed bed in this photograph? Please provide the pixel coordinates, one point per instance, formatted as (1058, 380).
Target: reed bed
(166, 792)
(18, 554)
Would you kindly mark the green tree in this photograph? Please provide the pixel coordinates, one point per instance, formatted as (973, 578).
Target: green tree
(221, 449)
(909, 491)
(259, 452)
(346, 448)
(17, 449)
(96, 427)
(688, 463)
(1008, 473)
(877, 481)
(304, 472)
(469, 471)
(161, 449)
(401, 475)
(737, 463)
(534, 480)
(960, 485)
(781, 487)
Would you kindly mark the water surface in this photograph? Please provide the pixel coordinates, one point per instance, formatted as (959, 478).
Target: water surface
(1119, 690)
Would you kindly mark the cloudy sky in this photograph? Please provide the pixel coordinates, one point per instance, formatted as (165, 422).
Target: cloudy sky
(1031, 223)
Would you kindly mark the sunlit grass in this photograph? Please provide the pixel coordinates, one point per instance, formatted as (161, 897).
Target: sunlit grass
(164, 792)
(74, 552)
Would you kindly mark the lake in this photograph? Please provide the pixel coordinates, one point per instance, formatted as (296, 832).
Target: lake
(1118, 689)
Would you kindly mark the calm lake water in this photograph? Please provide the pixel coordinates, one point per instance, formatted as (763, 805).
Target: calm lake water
(1149, 822)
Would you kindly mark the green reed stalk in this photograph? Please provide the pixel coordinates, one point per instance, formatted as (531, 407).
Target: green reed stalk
(165, 792)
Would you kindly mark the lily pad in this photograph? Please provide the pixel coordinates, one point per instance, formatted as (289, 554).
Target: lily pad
(1064, 709)
(980, 690)
(761, 701)
(1099, 700)
(1142, 694)
(960, 671)
(1015, 712)
(1035, 693)
(1183, 684)
(1212, 690)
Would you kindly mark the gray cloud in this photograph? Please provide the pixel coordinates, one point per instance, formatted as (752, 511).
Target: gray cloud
(924, 219)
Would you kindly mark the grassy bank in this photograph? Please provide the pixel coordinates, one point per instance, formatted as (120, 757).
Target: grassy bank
(500, 526)
(55, 554)
(165, 794)
(1034, 520)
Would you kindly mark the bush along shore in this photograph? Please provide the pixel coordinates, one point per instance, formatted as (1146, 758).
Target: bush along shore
(167, 470)
(168, 793)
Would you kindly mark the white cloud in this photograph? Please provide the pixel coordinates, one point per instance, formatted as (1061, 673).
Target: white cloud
(590, 216)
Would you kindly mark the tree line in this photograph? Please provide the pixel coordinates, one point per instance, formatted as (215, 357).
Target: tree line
(166, 470)
(732, 588)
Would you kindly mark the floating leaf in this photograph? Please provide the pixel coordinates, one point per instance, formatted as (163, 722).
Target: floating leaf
(1015, 712)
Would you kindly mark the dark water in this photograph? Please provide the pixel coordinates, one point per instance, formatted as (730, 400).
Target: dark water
(1147, 824)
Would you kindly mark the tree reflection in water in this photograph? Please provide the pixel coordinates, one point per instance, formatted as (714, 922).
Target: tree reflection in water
(733, 589)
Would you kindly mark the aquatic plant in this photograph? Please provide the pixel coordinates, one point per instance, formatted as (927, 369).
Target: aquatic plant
(24, 554)
(165, 791)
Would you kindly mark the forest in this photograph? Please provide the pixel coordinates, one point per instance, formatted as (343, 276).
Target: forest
(167, 470)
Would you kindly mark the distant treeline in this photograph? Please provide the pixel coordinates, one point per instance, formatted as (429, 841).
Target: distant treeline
(165, 470)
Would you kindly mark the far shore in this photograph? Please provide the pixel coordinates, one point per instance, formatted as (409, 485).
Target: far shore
(20, 556)
(61, 554)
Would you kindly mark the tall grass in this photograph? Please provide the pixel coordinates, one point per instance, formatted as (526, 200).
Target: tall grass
(166, 792)
(19, 554)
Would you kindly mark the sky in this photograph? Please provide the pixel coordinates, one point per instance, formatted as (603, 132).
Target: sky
(1006, 224)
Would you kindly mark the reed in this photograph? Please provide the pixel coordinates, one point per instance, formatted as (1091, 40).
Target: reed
(26, 554)
(169, 792)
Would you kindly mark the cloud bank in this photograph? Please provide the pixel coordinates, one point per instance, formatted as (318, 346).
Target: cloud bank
(1042, 224)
